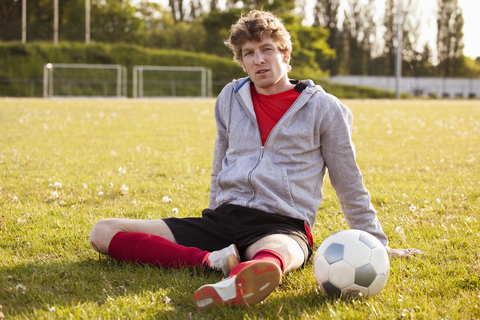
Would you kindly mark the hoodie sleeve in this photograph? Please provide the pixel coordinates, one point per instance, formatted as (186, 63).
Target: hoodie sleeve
(339, 153)
(221, 144)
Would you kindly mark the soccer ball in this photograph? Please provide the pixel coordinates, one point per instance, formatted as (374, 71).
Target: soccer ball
(351, 263)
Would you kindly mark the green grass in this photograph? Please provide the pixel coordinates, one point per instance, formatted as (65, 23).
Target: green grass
(419, 158)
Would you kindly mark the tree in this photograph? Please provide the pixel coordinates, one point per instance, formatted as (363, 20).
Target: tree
(10, 20)
(326, 16)
(389, 50)
(217, 25)
(449, 36)
(177, 10)
(369, 36)
(115, 21)
(359, 31)
(309, 45)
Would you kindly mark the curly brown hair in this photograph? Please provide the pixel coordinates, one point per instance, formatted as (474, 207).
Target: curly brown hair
(255, 26)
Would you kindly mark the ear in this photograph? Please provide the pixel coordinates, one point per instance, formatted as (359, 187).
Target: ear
(286, 57)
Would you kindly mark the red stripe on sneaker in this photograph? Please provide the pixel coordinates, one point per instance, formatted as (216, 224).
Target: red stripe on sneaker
(309, 235)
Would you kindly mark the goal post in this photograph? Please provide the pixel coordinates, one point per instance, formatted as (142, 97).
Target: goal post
(84, 80)
(171, 81)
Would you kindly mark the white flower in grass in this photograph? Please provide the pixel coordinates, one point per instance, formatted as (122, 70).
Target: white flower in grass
(438, 200)
(398, 229)
(15, 199)
(123, 190)
(21, 288)
(84, 186)
(100, 194)
(51, 309)
(55, 194)
(166, 199)
(175, 211)
(111, 185)
(57, 185)
(412, 207)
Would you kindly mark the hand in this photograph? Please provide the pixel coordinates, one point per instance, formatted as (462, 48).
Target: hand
(403, 253)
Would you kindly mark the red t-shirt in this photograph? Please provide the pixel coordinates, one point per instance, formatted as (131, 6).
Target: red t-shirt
(269, 109)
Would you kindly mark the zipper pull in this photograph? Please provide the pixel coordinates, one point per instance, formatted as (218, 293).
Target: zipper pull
(261, 151)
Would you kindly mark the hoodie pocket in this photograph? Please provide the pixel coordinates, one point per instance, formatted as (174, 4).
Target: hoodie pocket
(287, 191)
(225, 178)
(272, 184)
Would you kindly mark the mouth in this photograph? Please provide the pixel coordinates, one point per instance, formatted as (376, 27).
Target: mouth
(262, 71)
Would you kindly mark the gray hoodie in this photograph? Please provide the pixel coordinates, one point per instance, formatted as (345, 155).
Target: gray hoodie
(285, 175)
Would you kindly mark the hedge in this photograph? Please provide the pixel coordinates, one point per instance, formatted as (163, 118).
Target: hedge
(21, 65)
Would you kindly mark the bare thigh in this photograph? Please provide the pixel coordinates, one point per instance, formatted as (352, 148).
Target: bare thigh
(104, 230)
(287, 247)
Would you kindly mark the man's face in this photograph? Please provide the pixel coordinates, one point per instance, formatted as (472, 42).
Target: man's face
(266, 66)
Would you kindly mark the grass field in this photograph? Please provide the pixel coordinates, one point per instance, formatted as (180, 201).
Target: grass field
(65, 164)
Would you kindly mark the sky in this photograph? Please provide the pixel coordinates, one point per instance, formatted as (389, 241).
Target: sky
(471, 11)
(428, 8)
(471, 16)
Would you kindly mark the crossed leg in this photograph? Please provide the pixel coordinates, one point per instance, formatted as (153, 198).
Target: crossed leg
(104, 230)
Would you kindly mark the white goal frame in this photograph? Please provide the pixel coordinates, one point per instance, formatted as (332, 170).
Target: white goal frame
(138, 83)
(48, 80)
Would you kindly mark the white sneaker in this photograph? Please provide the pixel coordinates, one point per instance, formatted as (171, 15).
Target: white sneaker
(222, 260)
(250, 286)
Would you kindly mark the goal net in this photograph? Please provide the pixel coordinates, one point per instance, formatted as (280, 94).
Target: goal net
(163, 81)
(84, 80)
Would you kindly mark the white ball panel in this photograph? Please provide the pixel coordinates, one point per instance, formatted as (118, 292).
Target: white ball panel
(341, 274)
(357, 254)
(345, 236)
(379, 260)
(320, 269)
(377, 285)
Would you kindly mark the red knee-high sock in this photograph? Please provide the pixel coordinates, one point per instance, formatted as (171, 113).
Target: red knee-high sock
(262, 255)
(151, 249)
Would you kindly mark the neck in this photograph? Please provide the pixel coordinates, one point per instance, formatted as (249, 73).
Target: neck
(281, 86)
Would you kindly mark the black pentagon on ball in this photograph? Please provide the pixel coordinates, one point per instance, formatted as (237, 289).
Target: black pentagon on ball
(331, 289)
(365, 275)
(334, 253)
(369, 241)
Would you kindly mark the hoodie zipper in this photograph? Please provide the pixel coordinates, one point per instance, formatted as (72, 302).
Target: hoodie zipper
(262, 148)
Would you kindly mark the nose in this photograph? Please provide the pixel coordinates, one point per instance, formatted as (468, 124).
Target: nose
(259, 58)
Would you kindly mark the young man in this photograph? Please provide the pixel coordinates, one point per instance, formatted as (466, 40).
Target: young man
(275, 140)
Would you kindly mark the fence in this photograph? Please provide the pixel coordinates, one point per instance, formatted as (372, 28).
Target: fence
(418, 86)
(433, 87)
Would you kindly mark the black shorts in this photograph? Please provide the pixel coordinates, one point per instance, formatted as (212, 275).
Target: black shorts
(228, 224)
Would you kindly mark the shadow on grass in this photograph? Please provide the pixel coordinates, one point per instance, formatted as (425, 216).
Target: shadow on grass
(28, 289)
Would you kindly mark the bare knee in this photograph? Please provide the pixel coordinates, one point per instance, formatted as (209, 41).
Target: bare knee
(101, 235)
(286, 247)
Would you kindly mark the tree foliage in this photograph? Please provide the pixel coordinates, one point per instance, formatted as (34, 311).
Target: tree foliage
(449, 37)
(362, 44)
